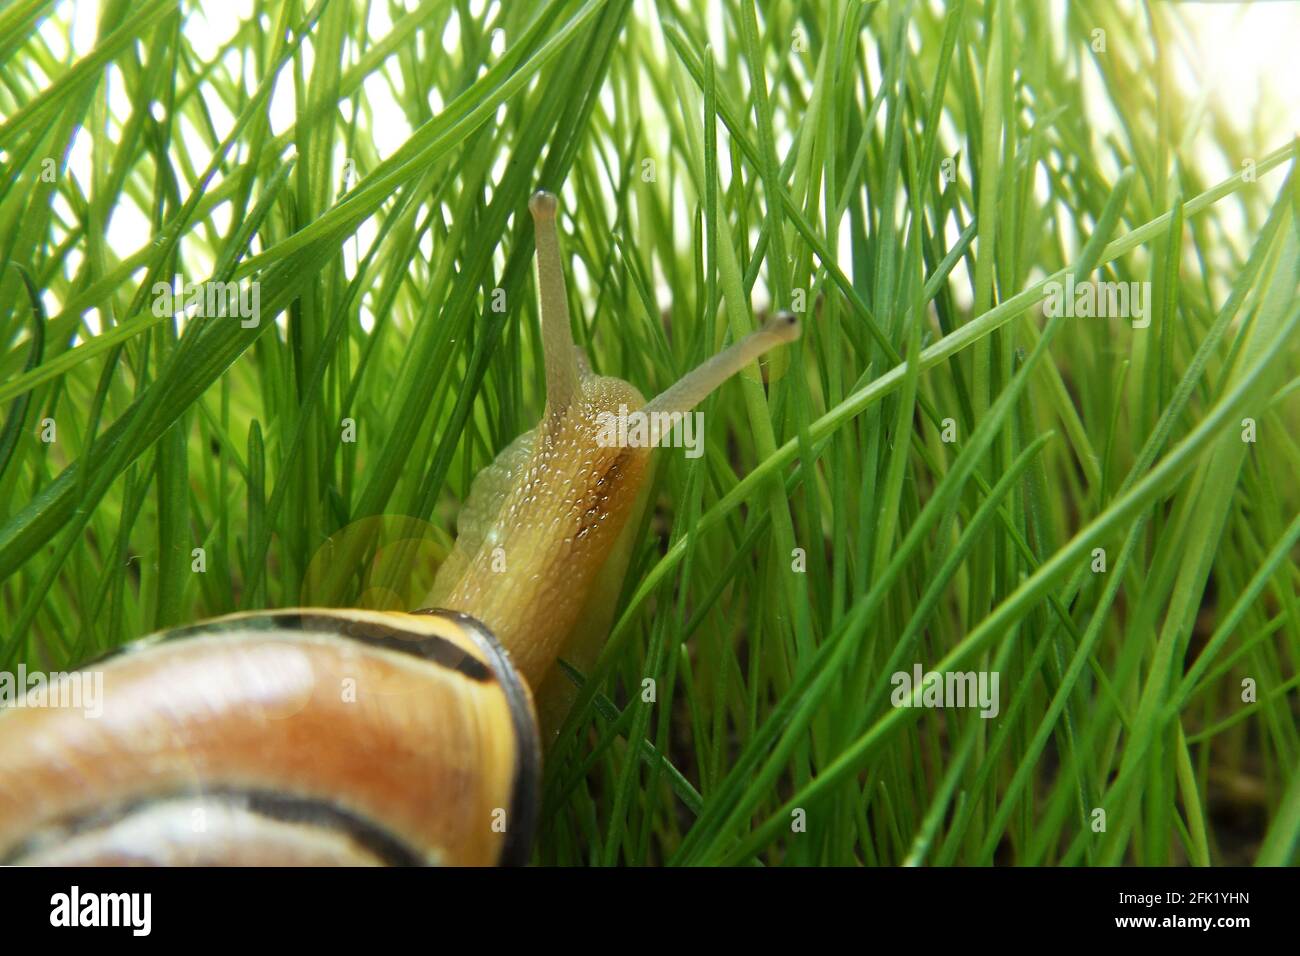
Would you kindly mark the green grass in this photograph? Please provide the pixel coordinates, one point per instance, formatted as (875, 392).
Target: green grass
(795, 156)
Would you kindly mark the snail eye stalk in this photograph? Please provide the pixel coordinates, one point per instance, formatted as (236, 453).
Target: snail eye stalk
(558, 350)
(695, 385)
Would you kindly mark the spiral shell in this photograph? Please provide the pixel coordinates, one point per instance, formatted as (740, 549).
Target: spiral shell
(297, 736)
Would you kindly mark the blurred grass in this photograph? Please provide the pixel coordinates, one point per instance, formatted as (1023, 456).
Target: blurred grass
(714, 161)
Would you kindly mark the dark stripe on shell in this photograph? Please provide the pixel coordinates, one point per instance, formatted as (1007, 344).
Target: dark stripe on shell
(386, 846)
(390, 637)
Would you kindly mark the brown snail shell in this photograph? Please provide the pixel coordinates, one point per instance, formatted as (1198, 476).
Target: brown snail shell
(300, 736)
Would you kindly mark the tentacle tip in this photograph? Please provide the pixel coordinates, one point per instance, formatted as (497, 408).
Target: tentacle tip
(543, 205)
(784, 325)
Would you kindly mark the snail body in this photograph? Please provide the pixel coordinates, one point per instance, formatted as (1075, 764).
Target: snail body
(337, 736)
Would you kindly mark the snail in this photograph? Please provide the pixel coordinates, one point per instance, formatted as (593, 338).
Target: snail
(312, 736)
